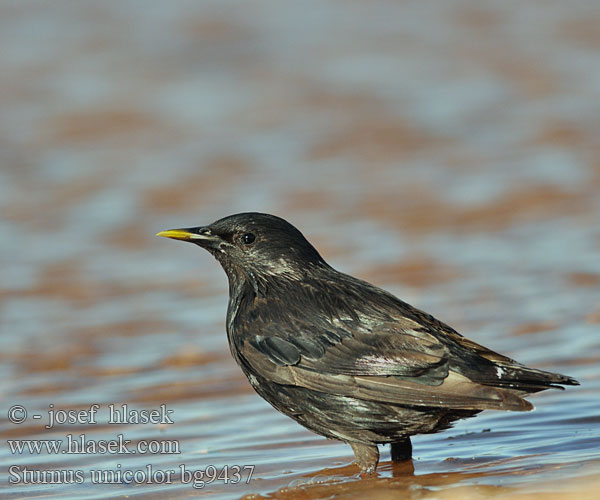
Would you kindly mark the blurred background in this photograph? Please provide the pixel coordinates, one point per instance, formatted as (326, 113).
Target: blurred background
(448, 151)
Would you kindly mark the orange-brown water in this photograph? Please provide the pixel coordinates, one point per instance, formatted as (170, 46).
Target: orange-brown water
(446, 151)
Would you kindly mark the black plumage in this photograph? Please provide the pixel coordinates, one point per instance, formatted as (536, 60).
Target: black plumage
(342, 357)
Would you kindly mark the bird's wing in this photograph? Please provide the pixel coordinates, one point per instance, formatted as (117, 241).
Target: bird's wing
(388, 364)
(386, 350)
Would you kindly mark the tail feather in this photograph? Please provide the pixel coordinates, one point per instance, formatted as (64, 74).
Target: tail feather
(522, 378)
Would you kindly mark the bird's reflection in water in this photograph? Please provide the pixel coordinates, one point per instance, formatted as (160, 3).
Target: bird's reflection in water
(397, 480)
(400, 469)
(347, 481)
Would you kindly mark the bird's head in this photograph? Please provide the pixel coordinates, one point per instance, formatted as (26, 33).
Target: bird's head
(253, 244)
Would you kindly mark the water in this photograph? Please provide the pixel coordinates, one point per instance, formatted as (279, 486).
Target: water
(444, 151)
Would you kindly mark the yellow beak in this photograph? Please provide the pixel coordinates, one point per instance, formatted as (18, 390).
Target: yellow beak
(199, 235)
(178, 234)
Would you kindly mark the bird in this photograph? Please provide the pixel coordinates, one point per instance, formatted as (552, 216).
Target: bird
(342, 357)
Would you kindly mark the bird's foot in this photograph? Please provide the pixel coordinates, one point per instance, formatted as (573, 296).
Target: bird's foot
(366, 456)
(401, 450)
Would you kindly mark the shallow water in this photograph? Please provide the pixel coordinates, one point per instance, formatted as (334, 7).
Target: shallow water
(444, 151)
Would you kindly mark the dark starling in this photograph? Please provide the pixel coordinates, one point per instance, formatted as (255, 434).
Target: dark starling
(344, 358)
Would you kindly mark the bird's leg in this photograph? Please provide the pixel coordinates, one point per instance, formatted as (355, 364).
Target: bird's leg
(366, 456)
(402, 450)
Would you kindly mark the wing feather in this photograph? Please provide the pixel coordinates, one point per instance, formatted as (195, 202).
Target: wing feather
(456, 391)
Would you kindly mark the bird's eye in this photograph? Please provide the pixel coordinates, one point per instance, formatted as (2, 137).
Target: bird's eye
(248, 238)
